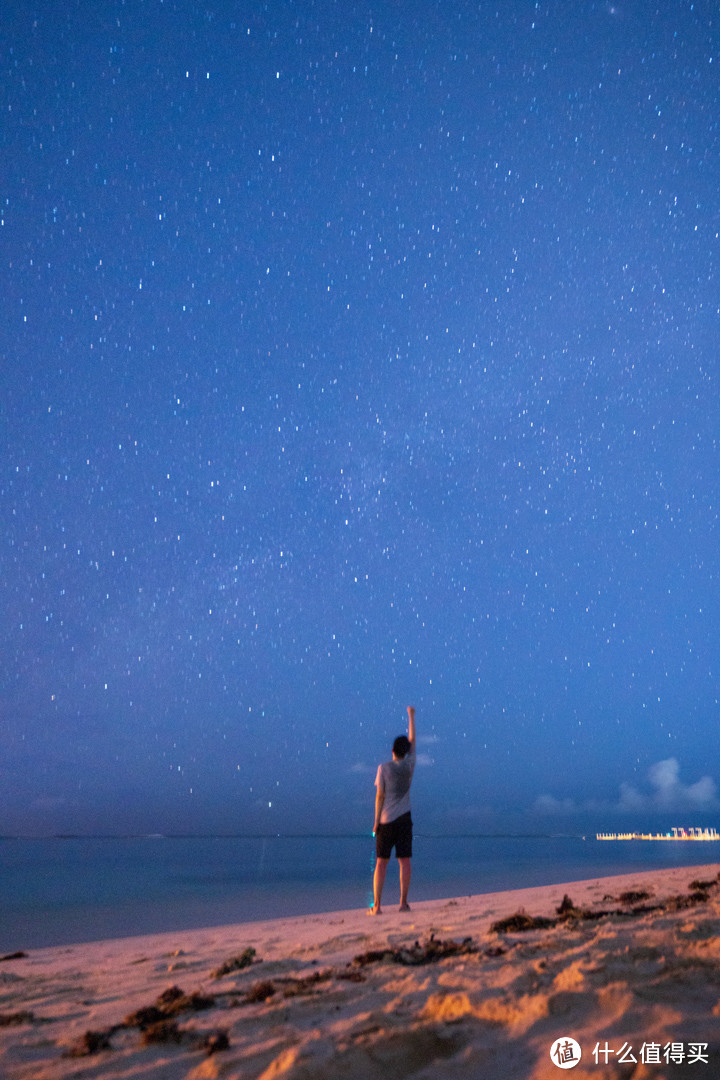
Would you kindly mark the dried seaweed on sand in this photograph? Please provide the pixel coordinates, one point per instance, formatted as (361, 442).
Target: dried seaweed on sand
(429, 952)
(237, 963)
(567, 912)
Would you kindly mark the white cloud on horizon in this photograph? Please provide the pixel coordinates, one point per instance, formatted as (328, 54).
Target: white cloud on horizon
(668, 793)
(665, 778)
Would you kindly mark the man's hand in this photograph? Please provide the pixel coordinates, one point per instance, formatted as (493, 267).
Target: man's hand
(411, 723)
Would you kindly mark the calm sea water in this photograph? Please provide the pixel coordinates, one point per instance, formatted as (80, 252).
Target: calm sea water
(61, 890)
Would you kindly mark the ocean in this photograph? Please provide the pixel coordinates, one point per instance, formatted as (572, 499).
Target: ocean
(71, 889)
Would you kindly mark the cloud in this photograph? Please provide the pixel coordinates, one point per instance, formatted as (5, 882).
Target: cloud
(704, 793)
(424, 759)
(670, 793)
(667, 792)
(548, 804)
(630, 798)
(428, 739)
(664, 774)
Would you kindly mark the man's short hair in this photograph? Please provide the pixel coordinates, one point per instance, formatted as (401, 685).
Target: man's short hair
(401, 746)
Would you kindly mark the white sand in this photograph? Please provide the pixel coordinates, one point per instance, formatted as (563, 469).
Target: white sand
(651, 979)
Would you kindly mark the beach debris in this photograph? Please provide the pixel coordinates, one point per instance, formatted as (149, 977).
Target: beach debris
(92, 1042)
(632, 896)
(259, 992)
(237, 963)
(521, 921)
(13, 956)
(149, 1015)
(213, 1042)
(567, 912)
(679, 903)
(156, 1023)
(175, 1003)
(171, 1002)
(288, 985)
(16, 1018)
(703, 886)
(164, 1031)
(294, 987)
(429, 952)
(144, 1018)
(170, 996)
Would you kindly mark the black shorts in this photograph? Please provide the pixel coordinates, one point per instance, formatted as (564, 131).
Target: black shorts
(395, 834)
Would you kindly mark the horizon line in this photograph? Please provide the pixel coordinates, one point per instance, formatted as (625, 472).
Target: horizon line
(295, 836)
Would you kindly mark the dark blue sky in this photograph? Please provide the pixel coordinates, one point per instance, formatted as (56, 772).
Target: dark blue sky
(355, 356)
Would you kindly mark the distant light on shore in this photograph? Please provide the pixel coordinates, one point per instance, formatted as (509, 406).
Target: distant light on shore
(676, 833)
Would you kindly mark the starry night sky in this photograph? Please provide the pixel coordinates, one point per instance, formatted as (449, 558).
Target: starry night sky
(357, 356)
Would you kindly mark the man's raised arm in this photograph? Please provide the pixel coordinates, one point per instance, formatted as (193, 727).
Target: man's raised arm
(411, 725)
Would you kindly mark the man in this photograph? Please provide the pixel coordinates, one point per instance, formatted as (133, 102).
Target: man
(393, 822)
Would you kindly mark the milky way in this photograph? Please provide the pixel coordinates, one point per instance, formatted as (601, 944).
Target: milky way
(354, 357)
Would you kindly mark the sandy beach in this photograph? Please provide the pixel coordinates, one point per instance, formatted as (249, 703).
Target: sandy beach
(628, 967)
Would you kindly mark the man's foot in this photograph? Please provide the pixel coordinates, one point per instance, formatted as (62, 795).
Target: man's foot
(374, 910)
(404, 907)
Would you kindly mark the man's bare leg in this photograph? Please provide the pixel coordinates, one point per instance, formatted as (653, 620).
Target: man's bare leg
(378, 882)
(405, 874)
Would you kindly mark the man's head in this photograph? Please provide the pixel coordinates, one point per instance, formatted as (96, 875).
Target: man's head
(401, 746)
